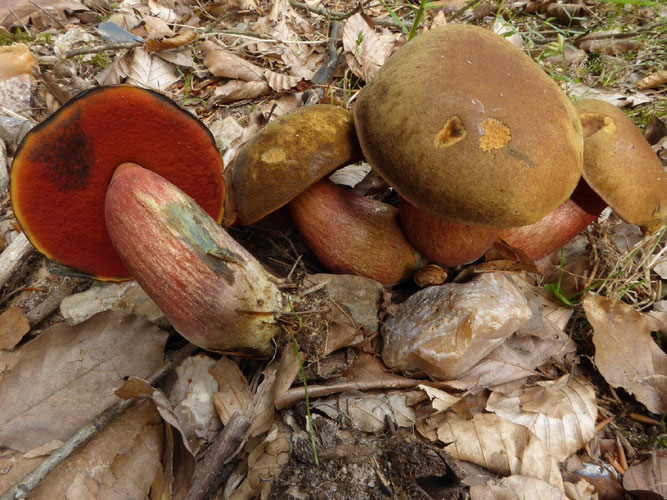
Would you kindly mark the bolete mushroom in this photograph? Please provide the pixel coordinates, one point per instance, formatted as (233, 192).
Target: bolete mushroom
(620, 165)
(62, 168)
(467, 127)
(286, 162)
(120, 147)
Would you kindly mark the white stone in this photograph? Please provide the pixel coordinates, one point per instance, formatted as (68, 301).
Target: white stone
(444, 330)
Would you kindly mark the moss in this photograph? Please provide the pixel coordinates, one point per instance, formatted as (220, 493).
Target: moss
(10, 38)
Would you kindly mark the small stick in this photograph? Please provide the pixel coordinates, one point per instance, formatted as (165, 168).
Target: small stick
(13, 257)
(22, 488)
(102, 48)
(210, 473)
(643, 419)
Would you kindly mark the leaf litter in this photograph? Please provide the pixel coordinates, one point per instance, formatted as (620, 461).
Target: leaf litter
(529, 399)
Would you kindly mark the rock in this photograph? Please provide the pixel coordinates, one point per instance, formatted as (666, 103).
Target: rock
(444, 330)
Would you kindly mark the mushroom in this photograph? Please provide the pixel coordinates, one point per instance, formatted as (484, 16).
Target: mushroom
(352, 234)
(559, 226)
(468, 128)
(286, 163)
(123, 147)
(63, 166)
(620, 165)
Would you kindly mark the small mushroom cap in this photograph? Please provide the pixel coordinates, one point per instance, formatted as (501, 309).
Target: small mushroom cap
(620, 165)
(290, 154)
(467, 127)
(62, 169)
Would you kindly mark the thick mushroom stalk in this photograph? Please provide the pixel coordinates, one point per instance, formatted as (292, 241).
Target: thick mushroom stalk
(212, 290)
(350, 233)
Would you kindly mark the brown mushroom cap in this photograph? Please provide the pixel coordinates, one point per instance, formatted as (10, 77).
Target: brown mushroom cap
(61, 171)
(290, 154)
(352, 234)
(467, 127)
(620, 165)
(442, 241)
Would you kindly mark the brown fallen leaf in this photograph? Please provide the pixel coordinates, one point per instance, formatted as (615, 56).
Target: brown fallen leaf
(649, 475)
(365, 50)
(625, 353)
(234, 394)
(653, 80)
(174, 42)
(15, 60)
(119, 462)
(13, 326)
(609, 47)
(222, 62)
(238, 90)
(516, 486)
(498, 445)
(66, 376)
(561, 412)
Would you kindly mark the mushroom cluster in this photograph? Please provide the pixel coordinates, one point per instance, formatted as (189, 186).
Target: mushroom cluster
(478, 142)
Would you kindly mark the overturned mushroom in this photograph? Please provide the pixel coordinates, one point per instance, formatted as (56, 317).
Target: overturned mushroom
(111, 143)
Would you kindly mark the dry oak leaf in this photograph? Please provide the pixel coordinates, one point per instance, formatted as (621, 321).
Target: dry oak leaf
(561, 412)
(221, 62)
(67, 375)
(500, 446)
(653, 80)
(119, 462)
(513, 487)
(649, 475)
(365, 50)
(159, 44)
(13, 326)
(625, 353)
(234, 394)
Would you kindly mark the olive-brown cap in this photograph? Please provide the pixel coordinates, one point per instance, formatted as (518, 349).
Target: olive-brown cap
(620, 165)
(467, 127)
(290, 154)
(62, 168)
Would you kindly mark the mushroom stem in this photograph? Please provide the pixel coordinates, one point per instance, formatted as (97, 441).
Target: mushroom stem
(212, 290)
(352, 234)
(559, 226)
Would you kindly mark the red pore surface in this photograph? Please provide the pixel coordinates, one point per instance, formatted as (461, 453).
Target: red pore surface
(62, 169)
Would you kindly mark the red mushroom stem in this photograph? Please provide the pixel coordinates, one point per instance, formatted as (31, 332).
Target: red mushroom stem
(352, 234)
(212, 290)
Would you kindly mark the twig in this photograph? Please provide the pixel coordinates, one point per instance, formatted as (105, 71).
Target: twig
(102, 48)
(332, 15)
(29, 482)
(13, 257)
(20, 21)
(210, 473)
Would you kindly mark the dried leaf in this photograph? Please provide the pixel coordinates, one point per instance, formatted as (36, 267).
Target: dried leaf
(366, 51)
(625, 353)
(500, 446)
(617, 99)
(265, 463)
(440, 400)
(150, 72)
(280, 82)
(234, 393)
(13, 326)
(221, 62)
(516, 486)
(67, 375)
(368, 411)
(159, 44)
(237, 90)
(561, 413)
(653, 80)
(350, 175)
(163, 12)
(609, 47)
(649, 475)
(119, 462)
(191, 396)
(15, 60)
